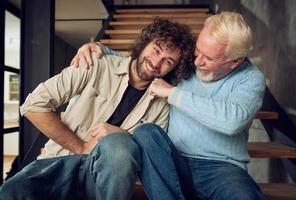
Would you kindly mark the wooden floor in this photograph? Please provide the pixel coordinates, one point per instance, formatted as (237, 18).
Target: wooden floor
(7, 164)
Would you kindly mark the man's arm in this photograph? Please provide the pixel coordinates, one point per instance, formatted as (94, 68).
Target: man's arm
(84, 53)
(47, 97)
(229, 116)
(49, 124)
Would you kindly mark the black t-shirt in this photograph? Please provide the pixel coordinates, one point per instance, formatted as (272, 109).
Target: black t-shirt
(129, 100)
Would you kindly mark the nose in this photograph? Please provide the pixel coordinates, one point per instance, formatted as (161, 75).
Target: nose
(156, 62)
(199, 60)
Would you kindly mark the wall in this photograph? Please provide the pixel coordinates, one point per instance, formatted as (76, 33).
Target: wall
(64, 53)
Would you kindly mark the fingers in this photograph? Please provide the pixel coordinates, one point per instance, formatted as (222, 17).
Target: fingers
(82, 60)
(84, 54)
(74, 61)
(151, 90)
(88, 58)
(157, 80)
(97, 49)
(99, 137)
(97, 134)
(95, 130)
(152, 93)
(89, 146)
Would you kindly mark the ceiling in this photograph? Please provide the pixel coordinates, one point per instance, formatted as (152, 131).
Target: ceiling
(77, 22)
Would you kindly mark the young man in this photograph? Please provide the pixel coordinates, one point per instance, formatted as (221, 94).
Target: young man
(210, 116)
(90, 155)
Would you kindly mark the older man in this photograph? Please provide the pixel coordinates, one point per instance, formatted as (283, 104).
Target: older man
(90, 155)
(210, 116)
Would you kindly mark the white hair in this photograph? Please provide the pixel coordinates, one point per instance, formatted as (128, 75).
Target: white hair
(230, 29)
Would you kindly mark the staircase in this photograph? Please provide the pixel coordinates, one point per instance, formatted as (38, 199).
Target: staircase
(126, 25)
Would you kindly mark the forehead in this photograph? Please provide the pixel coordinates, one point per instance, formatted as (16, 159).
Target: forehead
(167, 48)
(208, 45)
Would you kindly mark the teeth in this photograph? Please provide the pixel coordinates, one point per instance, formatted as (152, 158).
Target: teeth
(204, 70)
(149, 68)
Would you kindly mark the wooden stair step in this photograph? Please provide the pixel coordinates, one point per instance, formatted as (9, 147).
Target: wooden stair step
(130, 33)
(161, 15)
(164, 10)
(118, 44)
(273, 191)
(140, 24)
(270, 150)
(266, 115)
(138, 18)
(279, 191)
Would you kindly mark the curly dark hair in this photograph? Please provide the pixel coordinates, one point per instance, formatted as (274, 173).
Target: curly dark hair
(180, 36)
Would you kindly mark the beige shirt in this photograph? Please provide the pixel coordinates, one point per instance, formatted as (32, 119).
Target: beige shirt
(100, 90)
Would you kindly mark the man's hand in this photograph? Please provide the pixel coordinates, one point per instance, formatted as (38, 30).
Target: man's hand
(160, 88)
(89, 145)
(84, 54)
(102, 129)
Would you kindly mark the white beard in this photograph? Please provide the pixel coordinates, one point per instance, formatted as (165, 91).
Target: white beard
(205, 78)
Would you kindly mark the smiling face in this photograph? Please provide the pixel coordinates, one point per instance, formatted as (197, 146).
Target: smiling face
(211, 62)
(157, 59)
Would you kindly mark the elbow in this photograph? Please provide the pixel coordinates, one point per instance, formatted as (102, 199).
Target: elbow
(239, 122)
(236, 127)
(233, 130)
(28, 114)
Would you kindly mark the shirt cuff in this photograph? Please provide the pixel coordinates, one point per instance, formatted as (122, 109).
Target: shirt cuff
(175, 96)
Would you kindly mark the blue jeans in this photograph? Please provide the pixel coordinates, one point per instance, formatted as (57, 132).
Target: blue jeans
(166, 175)
(108, 173)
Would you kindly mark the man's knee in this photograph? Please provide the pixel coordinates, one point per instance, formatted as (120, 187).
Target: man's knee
(150, 136)
(147, 134)
(147, 129)
(118, 152)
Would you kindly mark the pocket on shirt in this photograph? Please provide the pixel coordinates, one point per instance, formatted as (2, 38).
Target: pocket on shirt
(84, 111)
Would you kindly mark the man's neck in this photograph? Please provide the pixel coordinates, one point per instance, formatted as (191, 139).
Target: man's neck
(134, 78)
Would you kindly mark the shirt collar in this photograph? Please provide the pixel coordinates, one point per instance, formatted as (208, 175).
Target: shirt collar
(123, 67)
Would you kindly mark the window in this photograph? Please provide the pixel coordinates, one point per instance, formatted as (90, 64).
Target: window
(14, 82)
(11, 91)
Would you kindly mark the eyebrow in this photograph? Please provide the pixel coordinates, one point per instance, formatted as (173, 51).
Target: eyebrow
(204, 54)
(170, 58)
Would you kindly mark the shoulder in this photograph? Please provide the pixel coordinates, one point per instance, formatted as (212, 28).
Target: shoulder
(248, 77)
(249, 72)
(111, 62)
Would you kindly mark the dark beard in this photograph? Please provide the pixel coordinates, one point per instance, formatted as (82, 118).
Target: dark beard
(141, 73)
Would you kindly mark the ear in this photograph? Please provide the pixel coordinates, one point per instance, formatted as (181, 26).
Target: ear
(236, 62)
